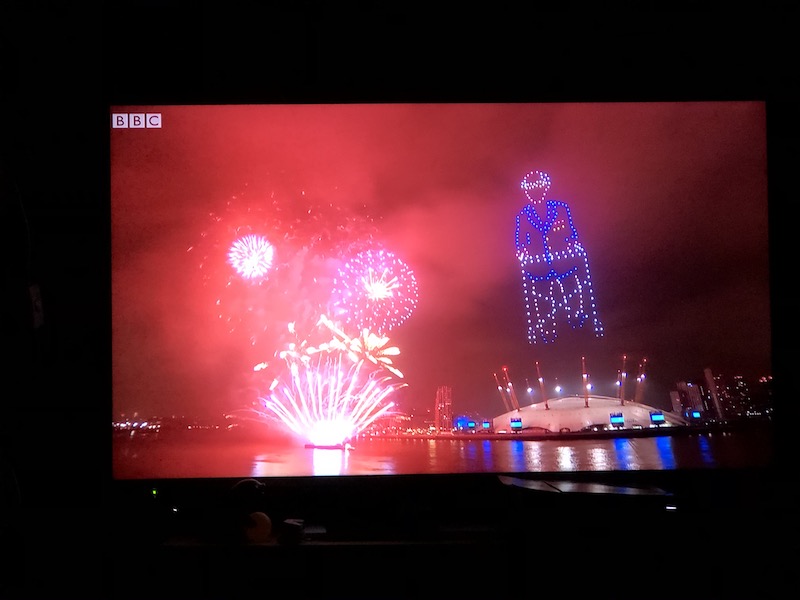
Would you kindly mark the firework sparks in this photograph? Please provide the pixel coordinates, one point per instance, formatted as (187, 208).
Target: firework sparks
(267, 259)
(328, 400)
(274, 262)
(374, 290)
(251, 256)
(368, 345)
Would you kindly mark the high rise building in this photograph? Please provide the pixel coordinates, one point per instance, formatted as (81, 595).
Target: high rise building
(443, 409)
(691, 396)
(714, 389)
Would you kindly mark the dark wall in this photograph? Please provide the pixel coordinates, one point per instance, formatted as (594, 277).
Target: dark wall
(61, 65)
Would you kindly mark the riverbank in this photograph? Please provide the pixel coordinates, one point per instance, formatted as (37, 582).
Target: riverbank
(662, 430)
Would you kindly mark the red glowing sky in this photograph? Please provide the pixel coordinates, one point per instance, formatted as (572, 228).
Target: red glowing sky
(669, 199)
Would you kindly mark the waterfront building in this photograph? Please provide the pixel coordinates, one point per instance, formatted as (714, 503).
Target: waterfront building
(443, 409)
(581, 413)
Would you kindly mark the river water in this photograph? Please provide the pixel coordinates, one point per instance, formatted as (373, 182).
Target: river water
(215, 454)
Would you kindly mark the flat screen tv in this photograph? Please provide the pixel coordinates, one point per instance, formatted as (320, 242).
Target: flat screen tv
(306, 292)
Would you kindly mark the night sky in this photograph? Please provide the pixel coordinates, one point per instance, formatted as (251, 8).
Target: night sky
(669, 201)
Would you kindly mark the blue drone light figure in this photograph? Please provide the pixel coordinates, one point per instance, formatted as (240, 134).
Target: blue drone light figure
(555, 267)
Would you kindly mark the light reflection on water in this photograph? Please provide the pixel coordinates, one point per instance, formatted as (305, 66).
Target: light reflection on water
(625, 454)
(664, 446)
(486, 450)
(566, 459)
(599, 459)
(328, 461)
(213, 458)
(705, 451)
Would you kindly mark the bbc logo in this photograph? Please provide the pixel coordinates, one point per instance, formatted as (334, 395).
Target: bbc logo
(136, 120)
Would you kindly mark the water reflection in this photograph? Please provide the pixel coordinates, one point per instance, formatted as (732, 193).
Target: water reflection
(432, 450)
(330, 461)
(273, 464)
(486, 456)
(664, 445)
(566, 459)
(704, 444)
(177, 458)
(517, 455)
(470, 452)
(599, 460)
(625, 455)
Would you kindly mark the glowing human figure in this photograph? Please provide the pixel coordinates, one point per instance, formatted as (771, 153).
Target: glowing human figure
(555, 268)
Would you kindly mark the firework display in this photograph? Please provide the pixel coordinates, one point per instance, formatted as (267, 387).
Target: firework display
(251, 256)
(269, 258)
(270, 262)
(327, 398)
(374, 290)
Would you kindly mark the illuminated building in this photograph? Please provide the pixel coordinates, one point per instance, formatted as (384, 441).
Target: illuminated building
(737, 400)
(712, 388)
(570, 413)
(691, 396)
(443, 409)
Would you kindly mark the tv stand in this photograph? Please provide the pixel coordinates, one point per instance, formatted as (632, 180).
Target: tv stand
(579, 487)
(485, 533)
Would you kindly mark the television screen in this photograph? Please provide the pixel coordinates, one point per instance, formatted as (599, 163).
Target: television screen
(304, 290)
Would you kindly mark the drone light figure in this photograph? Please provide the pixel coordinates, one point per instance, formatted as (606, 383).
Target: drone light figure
(555, 268)
(374, 290)
(251, 256)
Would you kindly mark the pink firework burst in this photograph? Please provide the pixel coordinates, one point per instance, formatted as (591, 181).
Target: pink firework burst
(251, 256)
(374, 290)
(267, 258)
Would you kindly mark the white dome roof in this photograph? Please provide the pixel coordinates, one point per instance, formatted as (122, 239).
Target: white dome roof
(571, 413)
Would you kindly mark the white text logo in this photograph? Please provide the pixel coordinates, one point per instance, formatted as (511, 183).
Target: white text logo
(136, 120)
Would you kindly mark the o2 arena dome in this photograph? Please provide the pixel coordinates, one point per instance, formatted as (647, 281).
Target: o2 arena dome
(584, 413)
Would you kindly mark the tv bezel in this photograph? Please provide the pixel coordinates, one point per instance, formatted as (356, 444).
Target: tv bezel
(307, 491)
